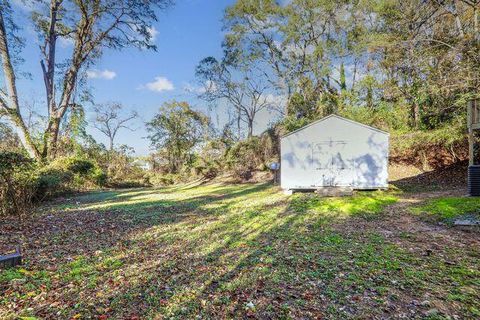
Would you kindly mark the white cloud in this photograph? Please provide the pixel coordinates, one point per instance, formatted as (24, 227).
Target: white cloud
(153, 34)
(159, 84)
(101, 74)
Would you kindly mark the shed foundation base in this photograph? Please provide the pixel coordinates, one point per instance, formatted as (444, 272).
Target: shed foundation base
(334, 191)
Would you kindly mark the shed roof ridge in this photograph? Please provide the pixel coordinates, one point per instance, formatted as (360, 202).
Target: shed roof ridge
(336, 116)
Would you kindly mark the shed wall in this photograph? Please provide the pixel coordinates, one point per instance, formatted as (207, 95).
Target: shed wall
(335, 152)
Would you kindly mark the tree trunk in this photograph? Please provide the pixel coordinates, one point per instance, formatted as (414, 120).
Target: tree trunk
(458, 22)
(24, 135)
(369, 98)
(56, 116)
(12, 110)
(239, 128)
(51, 138)
(49, 69)
(415, 115)
(250, 128)
(111, 144)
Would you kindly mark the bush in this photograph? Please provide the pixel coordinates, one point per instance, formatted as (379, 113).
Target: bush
(128, 184)
(244, 157)
(69, 174)
(291, 123)
(23, 182)
(74, 165)
(52, 181)
(99, 177)
(79, 166)
(207, 169)
(17, 183)
(159, 179)
(210, 171)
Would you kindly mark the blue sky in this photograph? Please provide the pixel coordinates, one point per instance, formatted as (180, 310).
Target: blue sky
(143, 80)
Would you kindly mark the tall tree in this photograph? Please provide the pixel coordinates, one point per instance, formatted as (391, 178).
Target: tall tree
(9, 102)
(429, 52)
(299, 41)
(92, 26)
(420, 55)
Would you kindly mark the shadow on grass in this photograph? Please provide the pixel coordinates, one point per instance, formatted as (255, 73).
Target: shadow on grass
(214, 252)
(219, 270)
(268, 260)
(284, 264)
(92, 228)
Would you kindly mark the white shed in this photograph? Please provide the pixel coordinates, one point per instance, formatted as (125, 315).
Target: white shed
(334, 152)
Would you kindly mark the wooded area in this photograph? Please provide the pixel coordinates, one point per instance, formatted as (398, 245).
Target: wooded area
(408, 67)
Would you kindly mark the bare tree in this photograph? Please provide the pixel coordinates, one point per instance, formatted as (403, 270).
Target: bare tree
(108, 120)
(242, 88)
(91, 25)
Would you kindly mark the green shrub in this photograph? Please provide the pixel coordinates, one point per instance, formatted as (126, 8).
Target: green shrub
(168, 179)
(291, 123)
(80, 166)
(10, 161)
(244, 157)
(99, 177)
(24, 182)
(68, 174)
(128, 184)
(18, 183)
(160, 179)
(52, 181)
(205, 168)
(73, 165)
(210, 171)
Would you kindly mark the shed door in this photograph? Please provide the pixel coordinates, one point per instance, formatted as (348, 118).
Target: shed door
(331, 165)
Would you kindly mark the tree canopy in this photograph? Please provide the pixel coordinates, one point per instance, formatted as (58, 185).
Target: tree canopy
(326, 56)
(91, 26)
(176, 130)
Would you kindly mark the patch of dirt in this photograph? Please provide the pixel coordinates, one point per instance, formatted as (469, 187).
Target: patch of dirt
(257, 176)
(426, 236)
(428, 155)
(411, 178)
(397, 221)
(423, 239)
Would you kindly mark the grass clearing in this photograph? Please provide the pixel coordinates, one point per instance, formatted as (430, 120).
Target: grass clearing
(362, 203)
(450, 208)
(234, 251)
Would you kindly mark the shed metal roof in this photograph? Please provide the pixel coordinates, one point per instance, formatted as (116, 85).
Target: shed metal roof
(334, 116)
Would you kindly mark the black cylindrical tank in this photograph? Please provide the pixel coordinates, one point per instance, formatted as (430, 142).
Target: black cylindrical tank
(474, 180)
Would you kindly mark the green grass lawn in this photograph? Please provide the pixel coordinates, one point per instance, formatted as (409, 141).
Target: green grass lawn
(449, 208)
(223, 252)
